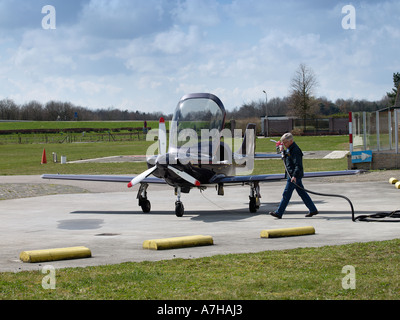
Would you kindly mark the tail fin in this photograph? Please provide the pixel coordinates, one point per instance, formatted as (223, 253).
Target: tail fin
(248, 147)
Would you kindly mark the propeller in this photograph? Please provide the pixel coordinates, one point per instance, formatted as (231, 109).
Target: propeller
(162, 140)
(185, 176)
(141, 176)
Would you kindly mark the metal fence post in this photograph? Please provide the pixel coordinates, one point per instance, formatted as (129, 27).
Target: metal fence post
(365, 129)
(390, 129)
(351, 131)
(396, 128)
(378, 145)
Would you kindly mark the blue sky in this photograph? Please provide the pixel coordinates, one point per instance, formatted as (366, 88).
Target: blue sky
(145, 55)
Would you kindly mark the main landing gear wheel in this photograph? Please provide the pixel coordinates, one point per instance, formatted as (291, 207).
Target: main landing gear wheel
(254, 197)
(254, 204)
(179, 209)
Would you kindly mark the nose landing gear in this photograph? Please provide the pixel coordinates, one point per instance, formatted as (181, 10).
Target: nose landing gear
(179, 208)
(144, 203)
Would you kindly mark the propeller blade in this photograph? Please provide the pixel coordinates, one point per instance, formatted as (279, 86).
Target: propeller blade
(185, 176)
(141, 176)
(162, 137)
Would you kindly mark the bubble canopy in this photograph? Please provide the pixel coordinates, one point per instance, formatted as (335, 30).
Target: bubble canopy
(194, 113)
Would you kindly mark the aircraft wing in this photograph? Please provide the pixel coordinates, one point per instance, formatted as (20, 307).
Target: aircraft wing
(275, 177)
(214, 180)
(101, 178)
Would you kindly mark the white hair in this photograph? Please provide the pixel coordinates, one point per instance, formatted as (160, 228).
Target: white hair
(287, 137)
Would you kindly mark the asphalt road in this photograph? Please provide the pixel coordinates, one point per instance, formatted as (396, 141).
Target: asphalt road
(105, 218)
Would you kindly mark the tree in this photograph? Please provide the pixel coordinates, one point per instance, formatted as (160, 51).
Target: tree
(8, 110)
(32, 110)
(392, 95)
(326, 107)
(302, 88)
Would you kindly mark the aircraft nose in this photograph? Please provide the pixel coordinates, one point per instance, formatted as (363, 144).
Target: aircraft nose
(162, 159)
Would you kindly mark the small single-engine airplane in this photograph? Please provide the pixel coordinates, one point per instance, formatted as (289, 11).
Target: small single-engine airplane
(199, 155)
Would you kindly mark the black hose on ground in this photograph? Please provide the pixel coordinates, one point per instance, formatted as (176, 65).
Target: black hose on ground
(368, 218)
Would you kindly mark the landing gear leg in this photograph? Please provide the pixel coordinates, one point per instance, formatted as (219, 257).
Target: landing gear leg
(254, 197)
(142, 197)
(179, 208)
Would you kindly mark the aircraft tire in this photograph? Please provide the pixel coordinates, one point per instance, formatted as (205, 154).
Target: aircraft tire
(253, 205)
(179, 209)
(146, 206)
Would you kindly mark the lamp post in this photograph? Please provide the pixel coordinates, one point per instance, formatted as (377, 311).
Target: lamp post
(265, 121)
(266, 103)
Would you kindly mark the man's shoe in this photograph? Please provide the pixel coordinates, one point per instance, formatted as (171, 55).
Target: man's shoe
(274, 214)
(312, 214)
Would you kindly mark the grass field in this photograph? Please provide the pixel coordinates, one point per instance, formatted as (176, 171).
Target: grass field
(26, 160)
(22, 159)
(74, 124)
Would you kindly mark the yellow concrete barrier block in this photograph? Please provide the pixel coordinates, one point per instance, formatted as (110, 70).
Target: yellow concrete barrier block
(287, 232)
(397, 185)
(55, 254)
(178, 242)
(393, 180)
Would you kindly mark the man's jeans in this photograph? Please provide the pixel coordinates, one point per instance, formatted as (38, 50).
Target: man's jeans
(287, 194)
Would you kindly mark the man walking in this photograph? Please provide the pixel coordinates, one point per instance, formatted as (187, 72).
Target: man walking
(293, 157)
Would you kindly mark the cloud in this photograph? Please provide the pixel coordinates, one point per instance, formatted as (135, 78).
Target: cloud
(176, 41)
(166, 54)
(124, 19)
(204, 13)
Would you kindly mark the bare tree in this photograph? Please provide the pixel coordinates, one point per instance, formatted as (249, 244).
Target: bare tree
(302, 88)
(32, 110)
(8, 109)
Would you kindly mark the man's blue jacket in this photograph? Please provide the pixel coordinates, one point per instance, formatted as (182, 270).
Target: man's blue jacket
(294, 161)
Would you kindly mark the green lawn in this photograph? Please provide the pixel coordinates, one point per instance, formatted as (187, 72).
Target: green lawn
(308, 143)
(74, 124)
(22, 159)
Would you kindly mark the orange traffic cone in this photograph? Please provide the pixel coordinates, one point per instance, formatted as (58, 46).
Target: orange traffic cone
(44, 160)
